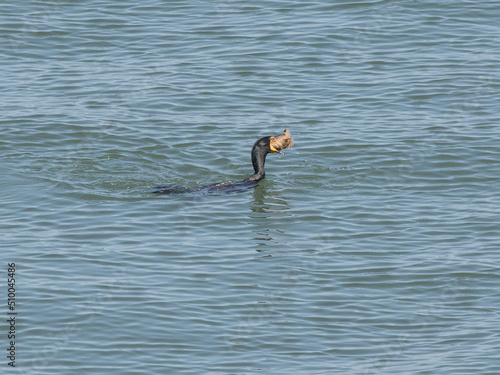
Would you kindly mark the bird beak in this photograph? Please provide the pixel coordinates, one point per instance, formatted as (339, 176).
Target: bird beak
(271, 146)
(280, 142)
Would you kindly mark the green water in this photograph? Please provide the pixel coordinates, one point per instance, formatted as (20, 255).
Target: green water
(370, 248)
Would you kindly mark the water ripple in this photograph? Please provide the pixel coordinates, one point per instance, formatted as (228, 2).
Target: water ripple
(371, 246)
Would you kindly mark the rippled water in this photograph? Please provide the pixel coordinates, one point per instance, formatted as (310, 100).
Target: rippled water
(372, 247)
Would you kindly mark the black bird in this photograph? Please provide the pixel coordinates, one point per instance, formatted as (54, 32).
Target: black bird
(260, 149)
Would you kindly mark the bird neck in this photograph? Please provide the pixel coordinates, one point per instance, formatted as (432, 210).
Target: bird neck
(259, 153)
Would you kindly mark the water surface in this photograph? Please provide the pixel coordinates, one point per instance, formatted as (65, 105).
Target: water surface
(370, 248)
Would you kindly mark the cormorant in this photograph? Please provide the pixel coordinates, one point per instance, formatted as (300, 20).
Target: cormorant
(261, 148)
